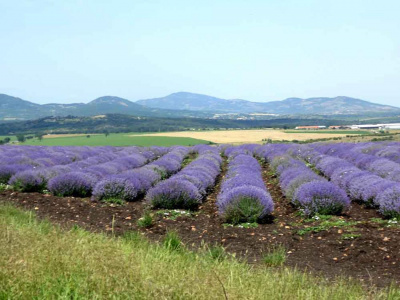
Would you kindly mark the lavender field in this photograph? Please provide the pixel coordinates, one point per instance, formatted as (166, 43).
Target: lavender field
(316, 178)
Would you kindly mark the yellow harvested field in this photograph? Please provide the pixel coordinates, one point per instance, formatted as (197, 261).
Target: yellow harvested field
(244, 136)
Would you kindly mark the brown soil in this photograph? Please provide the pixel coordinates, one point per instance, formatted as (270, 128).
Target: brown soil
(373, 257)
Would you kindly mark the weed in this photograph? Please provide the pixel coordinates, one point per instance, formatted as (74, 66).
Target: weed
(145, 221)
(133, 237)
(172, 241)
(327, 224)
(387, 223)
(117, 201)
(319, 217)
(241, 225)
(275, 257)
(350, 236)
(3, 187)
(173, 214)
(217, 252)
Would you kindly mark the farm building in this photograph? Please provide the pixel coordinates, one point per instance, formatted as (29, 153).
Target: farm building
(377, 126)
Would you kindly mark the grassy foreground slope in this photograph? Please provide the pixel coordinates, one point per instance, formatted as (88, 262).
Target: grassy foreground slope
(115, 139)
(41, 261)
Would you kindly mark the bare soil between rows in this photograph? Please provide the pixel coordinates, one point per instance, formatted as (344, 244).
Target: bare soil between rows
(372, 258)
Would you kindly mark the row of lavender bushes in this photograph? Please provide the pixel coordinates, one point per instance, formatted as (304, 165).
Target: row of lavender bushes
(79, 177)
(312, 193)
(360, 185)
(17, 159)
(388, 150)
(380, 166)
(187, 188)
(34, 178)
(243, 196)
(129, 185)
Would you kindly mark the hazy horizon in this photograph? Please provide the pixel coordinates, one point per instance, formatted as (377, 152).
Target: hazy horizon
(73, 51)
(135, 100)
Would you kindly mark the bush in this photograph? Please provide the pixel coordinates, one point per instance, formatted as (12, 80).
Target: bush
(245, 204)
(174, 193)
(29, 181)
(321, 197)
(117, 188)
(75, 184)
(389, 202)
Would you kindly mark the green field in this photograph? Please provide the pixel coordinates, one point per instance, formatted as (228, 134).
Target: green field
(330, 131)
(42, 261)
(115, 139)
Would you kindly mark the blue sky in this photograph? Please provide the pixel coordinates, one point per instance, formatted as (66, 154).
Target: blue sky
(69, 51)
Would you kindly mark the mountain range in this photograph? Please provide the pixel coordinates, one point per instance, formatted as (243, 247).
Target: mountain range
(184, 104)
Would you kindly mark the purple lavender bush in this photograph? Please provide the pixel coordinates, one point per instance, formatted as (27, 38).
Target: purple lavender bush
(389, 202)
(29, 181)
(174, 193)
(243, 196)
(318, 197)
(187, 188)
(76, 184)
(7, 171)
(116, 189)
(245, 204)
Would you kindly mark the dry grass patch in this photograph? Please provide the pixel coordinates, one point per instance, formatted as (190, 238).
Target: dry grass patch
(245, 136)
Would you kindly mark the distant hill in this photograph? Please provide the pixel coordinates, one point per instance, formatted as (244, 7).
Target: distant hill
(15, 108)
(199, 102)
(189, 105)
(12, 108)
(290, 106)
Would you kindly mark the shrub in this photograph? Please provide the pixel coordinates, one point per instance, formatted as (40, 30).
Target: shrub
(29, 181)
(245, 204)
(174, 193)
(7, 171)
(117, 188)
(75, 184)
(321, 197)
(389, 202)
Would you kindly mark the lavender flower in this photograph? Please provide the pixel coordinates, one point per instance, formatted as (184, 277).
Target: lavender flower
(321, 197)
(389, 202)
(75, 184)
(174, 193)
(245, 204)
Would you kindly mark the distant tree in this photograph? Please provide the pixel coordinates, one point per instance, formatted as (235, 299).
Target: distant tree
(21, 138)
(39, 136)
(7, 140)
(106, 133)
(88, 136)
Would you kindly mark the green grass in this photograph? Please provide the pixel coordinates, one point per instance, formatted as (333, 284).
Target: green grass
(116, 139)
(41, 261)
(275, 257)
(361, 132)
(146, 220)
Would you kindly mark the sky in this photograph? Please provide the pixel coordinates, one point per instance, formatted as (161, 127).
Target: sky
(258, 50)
